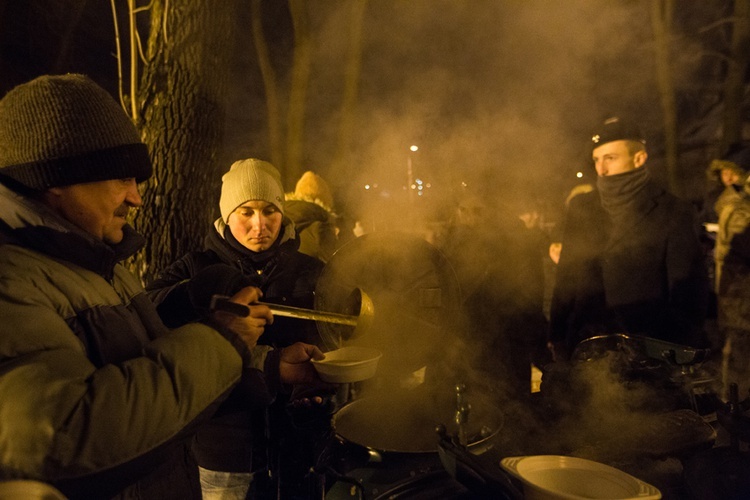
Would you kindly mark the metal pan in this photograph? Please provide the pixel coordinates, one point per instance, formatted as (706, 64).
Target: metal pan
(406, 423)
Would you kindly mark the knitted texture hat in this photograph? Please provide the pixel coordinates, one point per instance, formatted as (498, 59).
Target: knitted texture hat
(59, 130)
(314, 188)
(248, 180)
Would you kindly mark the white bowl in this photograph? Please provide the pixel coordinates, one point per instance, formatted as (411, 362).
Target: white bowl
(348, 364)
(559, 477)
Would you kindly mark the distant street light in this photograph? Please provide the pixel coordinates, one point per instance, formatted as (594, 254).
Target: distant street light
(409, 172)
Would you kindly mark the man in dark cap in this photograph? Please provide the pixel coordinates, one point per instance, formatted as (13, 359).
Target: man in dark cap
(98, 396)
(631, 260)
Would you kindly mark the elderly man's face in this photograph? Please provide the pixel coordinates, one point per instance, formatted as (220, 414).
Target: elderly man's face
(99, 208)
(612, 158)
(256, 224)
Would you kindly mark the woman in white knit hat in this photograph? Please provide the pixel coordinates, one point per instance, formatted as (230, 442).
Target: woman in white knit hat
(252, 243)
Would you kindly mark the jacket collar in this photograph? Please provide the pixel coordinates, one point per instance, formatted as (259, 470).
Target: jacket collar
(245, 259)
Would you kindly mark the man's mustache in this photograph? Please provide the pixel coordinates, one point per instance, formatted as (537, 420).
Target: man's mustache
(122, 211)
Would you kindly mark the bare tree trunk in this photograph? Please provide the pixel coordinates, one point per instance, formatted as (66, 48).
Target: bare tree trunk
(269, 84)
(292, 168)
(182, 108)
(734, 85)
(351, 86)
(661, 20)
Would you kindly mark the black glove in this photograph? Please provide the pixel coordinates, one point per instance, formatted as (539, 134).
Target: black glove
(216, 279)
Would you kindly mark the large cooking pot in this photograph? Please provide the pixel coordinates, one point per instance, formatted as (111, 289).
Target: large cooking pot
(405, 422)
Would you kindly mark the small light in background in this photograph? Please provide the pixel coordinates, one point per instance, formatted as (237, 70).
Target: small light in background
(579, 174)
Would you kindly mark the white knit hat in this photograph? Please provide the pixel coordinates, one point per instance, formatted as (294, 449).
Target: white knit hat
(248, 180)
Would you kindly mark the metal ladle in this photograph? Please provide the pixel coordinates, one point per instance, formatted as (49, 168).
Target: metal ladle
(358, 301)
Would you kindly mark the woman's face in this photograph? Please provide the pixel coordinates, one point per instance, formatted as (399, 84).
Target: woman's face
(255, 224)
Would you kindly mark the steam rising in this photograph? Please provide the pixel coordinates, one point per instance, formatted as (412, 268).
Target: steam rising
(499, 95)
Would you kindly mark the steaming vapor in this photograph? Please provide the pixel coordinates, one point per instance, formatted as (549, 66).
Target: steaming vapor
(498, 92)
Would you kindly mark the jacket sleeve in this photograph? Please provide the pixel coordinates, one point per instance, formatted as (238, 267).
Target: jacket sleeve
(170, 293)
(62, 418)
(563, 294)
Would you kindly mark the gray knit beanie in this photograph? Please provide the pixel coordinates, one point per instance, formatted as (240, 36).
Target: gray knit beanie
(59, 130)
(248, 180)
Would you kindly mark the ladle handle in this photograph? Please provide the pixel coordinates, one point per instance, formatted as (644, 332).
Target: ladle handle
(222, 303)
(298, 312)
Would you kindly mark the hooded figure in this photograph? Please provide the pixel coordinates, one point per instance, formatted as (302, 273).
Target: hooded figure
(727, 175)
(732, 254)
(310, 206)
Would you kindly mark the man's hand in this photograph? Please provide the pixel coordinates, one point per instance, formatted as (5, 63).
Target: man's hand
(295, 366)
(249, 328)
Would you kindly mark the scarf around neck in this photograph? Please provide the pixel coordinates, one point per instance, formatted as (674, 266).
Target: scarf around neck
(623, 194)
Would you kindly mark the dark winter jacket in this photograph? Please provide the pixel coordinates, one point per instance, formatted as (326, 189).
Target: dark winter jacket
(97, 395)
(285, 276)
(643, 276)
(182, 293)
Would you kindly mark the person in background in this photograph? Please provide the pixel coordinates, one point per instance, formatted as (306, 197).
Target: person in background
(555, 247)
(631, 261)
(99, 397)
(310, 207)
(251, 243)
(728, 174)
(500, 274)
(724, 174)
(732, 256)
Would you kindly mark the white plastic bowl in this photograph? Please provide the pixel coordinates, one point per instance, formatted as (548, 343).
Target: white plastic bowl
(559, 477)
(348, 364)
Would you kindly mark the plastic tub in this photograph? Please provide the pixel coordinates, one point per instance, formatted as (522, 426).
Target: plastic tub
(559, 477)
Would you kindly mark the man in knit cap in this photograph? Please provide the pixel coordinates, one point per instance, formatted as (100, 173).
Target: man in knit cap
(99, 397)
(631, 261)
(253, 242)
(310, 206)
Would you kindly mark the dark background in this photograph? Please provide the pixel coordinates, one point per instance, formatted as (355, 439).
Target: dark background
(499, 96)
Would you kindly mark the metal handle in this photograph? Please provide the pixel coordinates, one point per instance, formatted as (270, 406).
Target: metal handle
(222, 303)
(298, 312)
